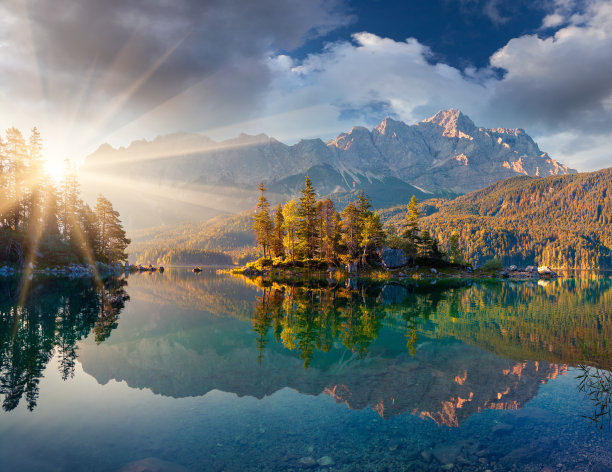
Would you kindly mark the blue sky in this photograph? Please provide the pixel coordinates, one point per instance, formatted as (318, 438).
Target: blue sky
(115, 71)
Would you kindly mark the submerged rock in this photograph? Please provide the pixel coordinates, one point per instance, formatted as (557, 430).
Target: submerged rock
(153, 464)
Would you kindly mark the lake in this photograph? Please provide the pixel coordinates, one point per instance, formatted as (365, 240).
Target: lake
(181, 371)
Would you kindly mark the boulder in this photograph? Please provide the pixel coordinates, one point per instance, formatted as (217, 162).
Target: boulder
(545, 271)
(513, 268)
(433, 271)
(392, 258)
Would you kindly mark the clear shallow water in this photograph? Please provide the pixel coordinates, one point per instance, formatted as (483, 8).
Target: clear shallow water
(207, 372)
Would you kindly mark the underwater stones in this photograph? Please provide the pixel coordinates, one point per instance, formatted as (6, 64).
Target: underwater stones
(307, 461)
(325, 461)
(447, 453)
(537, 450)
(153, 464)
(501, 429)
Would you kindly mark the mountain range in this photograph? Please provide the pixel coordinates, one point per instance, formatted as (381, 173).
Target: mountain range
(180, 177)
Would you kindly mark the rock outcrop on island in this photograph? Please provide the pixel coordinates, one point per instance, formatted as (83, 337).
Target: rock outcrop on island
(442, 155)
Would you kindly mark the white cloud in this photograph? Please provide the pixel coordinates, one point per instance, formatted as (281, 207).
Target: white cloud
(558, 88)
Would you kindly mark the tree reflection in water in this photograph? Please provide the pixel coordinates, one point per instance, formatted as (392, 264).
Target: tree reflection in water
(596, 381)
(307, 319)
(49, 321)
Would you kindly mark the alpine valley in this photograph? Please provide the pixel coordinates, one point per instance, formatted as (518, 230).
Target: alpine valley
(189, 177)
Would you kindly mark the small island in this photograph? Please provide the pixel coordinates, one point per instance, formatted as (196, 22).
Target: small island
(309, 239)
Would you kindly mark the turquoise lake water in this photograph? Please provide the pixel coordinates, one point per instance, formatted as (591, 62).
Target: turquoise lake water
(181, 371)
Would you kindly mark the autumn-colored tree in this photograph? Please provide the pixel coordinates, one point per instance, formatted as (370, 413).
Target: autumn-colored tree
(278, 233)
(411, 231)
(290, 218)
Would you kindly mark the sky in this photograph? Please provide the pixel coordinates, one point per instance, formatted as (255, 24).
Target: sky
(94, 71)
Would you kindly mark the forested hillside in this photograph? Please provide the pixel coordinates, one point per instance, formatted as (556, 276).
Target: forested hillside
(197, 243)
(561, 221)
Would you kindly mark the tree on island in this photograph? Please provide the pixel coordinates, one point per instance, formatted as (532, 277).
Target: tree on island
(263, 223)
(307, 221)
(313, 229)
(411, 231)
(290, 219)
(277, 246)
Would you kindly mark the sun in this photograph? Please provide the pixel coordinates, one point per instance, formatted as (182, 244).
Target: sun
(56, 168)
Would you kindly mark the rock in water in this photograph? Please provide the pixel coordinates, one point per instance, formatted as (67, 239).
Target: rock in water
(325, 461)
(392, 258)
(153, 464)
(307, 461)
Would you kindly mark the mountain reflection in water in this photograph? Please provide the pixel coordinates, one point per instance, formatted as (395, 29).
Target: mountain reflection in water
(442, 351)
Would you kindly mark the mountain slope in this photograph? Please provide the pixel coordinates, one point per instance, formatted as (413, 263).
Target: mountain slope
(191, 177)
(561, 221)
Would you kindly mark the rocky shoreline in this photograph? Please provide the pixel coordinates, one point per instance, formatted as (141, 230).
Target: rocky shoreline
(71, 271)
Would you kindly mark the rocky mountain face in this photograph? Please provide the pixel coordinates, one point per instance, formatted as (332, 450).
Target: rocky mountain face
(444, 154)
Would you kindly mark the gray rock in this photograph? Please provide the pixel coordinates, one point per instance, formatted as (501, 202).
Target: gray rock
(433, 271)
(426, 456)
(539, 450)
(513, 268)
(447, 453)
(545, 271)
(307, 461)
(325, 461)
(501, 429)
(392, 258)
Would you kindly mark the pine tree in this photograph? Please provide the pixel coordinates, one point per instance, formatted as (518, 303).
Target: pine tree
(290, 218)
(372, 234)
(453, 248)
(262, 225)
(307, 221)
(351, 232)
(111, 240)
(278, 233)
(70, 202)
(411, 231)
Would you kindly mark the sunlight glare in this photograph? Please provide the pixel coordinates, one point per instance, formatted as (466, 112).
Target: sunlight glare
(56, 168)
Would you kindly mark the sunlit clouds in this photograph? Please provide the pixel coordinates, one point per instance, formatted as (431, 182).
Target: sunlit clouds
(110, 71)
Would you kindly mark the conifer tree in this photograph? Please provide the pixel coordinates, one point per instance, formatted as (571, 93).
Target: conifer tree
(263, 223)
(351, 231)
(111, 237)
(372, 234)
(454, 253)
(307, 221)
(411, 231)
(290, 218)
(278, 233)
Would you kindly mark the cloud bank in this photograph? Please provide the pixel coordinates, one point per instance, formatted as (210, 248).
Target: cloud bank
(116, 70)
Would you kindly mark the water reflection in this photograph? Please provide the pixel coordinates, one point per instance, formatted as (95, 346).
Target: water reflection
(51, 320)
(596, 383)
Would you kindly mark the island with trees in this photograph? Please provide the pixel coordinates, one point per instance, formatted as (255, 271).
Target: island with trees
(309, 235)
(309, 238)
(46, 227)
